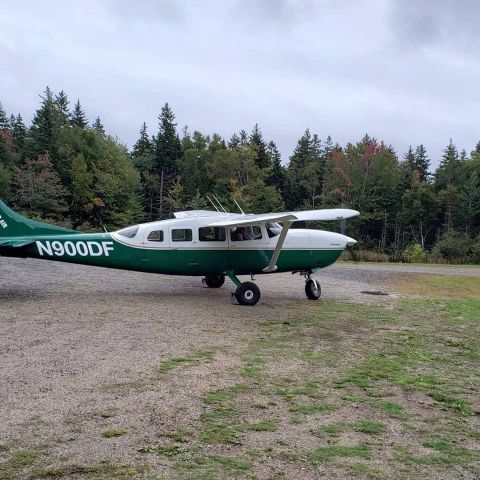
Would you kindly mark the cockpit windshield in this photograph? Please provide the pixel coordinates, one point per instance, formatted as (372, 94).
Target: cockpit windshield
(273, 229)
(129, 232)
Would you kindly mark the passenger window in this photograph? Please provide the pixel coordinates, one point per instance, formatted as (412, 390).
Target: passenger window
(181, 235)
(246, 233)
(155, 236)
(211, 234)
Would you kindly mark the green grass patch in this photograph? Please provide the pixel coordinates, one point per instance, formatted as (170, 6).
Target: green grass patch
(309, 389)
(330, 430)
(223, 394)
(369, 426)
(218, 433)
(113, 432)
(194, 358)
(18, 461)
(253, 368)
(325, 454)
(309, 408)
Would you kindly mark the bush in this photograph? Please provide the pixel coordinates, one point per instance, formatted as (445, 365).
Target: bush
(364, 256)
(453, 246)
(476, 249)
(414, 254)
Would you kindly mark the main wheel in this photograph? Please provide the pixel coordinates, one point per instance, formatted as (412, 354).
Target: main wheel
(214, 281)
(312, 289)
(247, 293)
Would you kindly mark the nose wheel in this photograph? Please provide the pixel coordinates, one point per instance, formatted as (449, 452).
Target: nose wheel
(313, 289)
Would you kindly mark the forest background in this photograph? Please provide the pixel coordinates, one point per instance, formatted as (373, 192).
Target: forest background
(65, 170)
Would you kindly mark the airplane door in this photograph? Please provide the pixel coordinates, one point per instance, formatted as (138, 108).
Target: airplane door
(156, 249)
(247, 249)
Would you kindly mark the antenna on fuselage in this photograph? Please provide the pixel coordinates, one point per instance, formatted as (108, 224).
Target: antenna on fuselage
(219, 204)
(240, 208)
(211, 201)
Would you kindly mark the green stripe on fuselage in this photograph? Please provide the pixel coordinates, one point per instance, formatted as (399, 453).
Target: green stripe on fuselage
(104, 251)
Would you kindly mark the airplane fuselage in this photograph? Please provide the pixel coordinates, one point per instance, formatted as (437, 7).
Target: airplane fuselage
(184, 251)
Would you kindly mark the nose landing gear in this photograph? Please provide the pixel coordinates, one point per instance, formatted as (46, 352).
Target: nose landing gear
(313, 289)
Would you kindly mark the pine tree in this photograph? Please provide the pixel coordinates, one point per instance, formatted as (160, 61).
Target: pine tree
(143, 145)
(262, 159)
(98, 126)
(42, 134)
(476, 151)
(78, 117)
(276, 176)
(408, 166)
(446, 172)
(234, 141)
(62, 113)
(168, 151)
(4, 123)
(19, 131)
(422, 163)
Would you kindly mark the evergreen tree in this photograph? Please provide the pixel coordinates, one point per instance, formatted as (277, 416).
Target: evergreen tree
(78, 117)
(276, 175)
(4, 123)
(234, 141)
(408, 166)
(19, 131)
(143, 146)
(168, 151)
(422, 163)
(448, 168)
(476, 151)
(61, 109)
(262, 158)
(42, 136)
(98, 126)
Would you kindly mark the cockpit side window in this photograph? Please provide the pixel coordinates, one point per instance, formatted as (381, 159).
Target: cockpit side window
(211, 234)
(253, 232)
(155, 236)
(129, 232)
(273, 229)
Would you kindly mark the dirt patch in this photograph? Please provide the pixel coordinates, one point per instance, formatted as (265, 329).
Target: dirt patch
(187, 382)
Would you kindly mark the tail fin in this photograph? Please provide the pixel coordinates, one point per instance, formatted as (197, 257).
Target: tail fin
(14, 225)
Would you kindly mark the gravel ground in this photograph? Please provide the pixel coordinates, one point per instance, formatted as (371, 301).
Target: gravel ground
(77, 341)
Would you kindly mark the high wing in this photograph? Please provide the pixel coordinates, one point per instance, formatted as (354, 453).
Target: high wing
(290, 217)
(287, 218)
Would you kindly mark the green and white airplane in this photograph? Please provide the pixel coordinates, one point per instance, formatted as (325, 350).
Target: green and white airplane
(212, 244)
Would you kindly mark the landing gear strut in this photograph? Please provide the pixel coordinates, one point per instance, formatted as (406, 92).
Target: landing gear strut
(312, 286)
(213, 281)
(247, 293)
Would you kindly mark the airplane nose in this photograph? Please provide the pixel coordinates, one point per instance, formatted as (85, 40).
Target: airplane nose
(350, 241)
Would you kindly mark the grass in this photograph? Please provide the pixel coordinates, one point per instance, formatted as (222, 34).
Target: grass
(325, 454)
(18, 462)
(195, 358)
(439, 286)
(113, 432)
(357, 377)
(309, 408)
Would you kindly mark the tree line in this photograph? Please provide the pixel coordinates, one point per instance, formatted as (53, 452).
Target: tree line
(65, 169)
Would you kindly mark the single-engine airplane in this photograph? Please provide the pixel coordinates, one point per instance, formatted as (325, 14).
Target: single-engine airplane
(212, 244)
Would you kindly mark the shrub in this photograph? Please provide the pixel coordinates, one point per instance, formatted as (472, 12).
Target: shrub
(453, 246)
(476, 249)
(414, 254)
(364, 256)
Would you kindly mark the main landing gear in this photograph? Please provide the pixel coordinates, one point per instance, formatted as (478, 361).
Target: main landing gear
(214, 281)
(247, 293)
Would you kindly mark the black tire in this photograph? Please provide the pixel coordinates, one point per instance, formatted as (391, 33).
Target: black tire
(313, 290)
(214, 281)
(247, 293)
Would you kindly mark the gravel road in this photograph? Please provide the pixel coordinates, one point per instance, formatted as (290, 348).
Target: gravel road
(76, 341)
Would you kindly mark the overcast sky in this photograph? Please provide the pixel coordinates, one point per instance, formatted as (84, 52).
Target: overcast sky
(404, 71)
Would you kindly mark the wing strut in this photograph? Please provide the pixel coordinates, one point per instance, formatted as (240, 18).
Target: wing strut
(272, 266)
